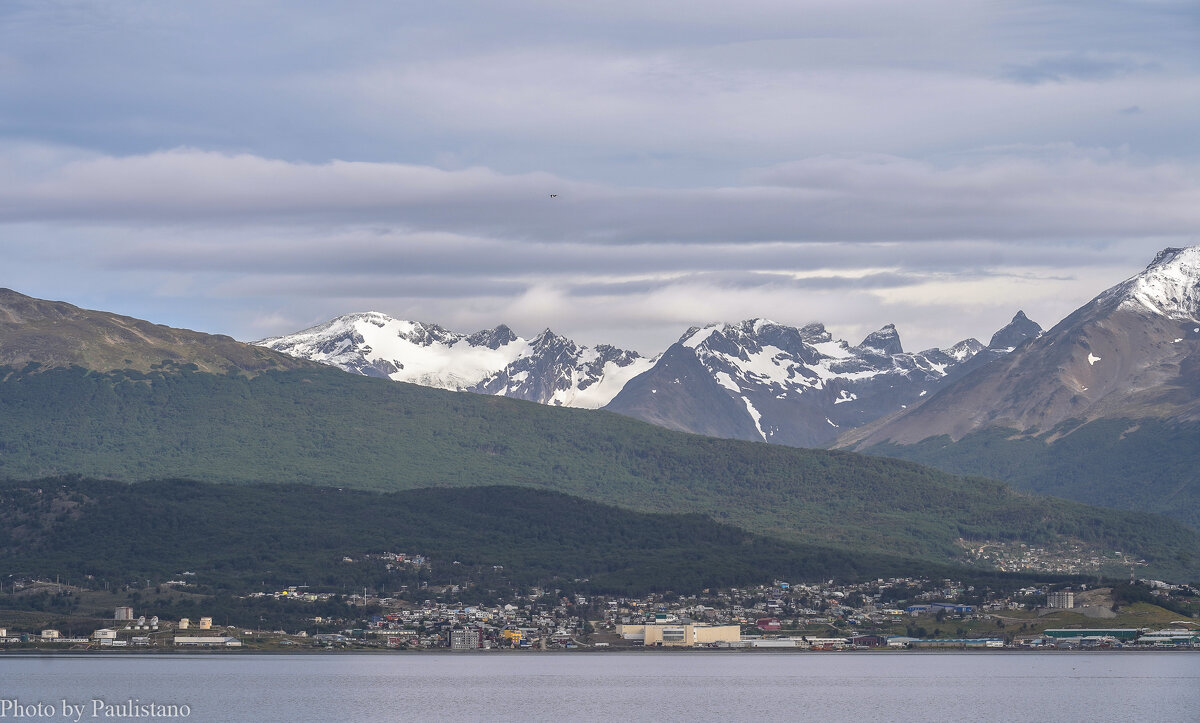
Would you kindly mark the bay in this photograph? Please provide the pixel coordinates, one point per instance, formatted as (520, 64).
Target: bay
(646, 685)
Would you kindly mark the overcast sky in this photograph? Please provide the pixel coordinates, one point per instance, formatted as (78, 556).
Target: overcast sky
(256, 167)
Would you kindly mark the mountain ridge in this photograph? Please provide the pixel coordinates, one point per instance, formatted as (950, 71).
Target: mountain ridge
(57, 334)
(549, 369)
(1132, 351)
(725, 381)
(1103, 408)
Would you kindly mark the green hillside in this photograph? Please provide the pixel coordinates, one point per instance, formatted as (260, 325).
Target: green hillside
(325, 427)
(1147, 464)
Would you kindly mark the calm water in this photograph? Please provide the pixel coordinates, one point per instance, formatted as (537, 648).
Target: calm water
(631, 686)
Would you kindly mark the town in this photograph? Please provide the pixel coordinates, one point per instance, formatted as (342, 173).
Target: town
(894, 613)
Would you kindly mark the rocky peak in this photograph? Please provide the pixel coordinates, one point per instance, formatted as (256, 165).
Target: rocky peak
(1015, 332)
(886, 341)
(424, 334)
(492, 338)
(815, 333)
(964, 349)
(609, 353)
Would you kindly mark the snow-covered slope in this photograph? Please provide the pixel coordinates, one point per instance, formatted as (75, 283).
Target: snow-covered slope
(559, 372)
(377, 345)
(1169, 287)
(775, 383)
(549, 369)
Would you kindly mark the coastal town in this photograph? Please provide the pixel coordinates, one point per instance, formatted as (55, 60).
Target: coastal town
(891, 614)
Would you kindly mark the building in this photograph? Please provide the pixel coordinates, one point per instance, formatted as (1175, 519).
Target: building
(681, 634)
(1061, 599)
(1171, 638)
(105, 634)
(218, 640)
(960, 643)
(123, 613)
(464, 639)
(1122, 634)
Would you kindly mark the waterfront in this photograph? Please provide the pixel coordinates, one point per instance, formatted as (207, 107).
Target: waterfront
(633, 686)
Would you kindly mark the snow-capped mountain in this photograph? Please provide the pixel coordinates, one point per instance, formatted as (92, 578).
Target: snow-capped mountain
(1133, 352)
(755, 380)
(557, 371)
(796, 386)
(549, 369)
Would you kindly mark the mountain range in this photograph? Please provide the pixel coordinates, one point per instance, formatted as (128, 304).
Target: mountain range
(757, 380)
(1103, 408)
(549, 369)
(312, 424)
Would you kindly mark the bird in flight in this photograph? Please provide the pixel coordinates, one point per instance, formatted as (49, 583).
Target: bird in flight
(554, 195)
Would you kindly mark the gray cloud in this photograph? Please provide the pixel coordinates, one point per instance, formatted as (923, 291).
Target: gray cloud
(254, 168)
(828, 198)
(1064, 68)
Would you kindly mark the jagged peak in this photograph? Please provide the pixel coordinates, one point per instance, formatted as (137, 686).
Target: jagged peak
(756, 325)
(696, 335)
(610, 352)
(492, 338)
(1015, 332)
(1168, 255)
(964, 349)
(885, 341)
(815, 333)
(548, 339)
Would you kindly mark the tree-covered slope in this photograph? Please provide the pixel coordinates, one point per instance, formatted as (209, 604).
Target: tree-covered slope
(240, 537)
(1148, 464)
(325, 427)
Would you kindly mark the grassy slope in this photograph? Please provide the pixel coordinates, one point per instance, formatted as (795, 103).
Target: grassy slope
(325, 427)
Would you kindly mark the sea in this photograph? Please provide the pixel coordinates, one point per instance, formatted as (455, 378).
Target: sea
(620, 686)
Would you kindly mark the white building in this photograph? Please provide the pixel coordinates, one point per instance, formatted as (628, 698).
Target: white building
(1061, 600)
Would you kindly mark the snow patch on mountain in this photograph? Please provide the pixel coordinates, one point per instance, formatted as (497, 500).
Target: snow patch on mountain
(756, 416)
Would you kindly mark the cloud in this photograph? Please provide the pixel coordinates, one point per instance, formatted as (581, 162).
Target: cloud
(853, 197)
(1089, 68)
(254, 168)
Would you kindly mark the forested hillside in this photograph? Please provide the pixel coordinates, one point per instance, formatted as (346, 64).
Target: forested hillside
(325, 427)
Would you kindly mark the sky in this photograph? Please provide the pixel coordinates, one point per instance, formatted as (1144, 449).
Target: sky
(615, 171)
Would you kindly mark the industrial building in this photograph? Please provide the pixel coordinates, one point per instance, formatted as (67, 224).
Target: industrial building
(222, 640)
